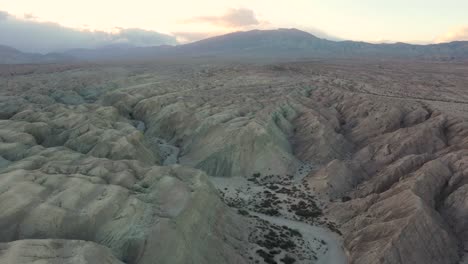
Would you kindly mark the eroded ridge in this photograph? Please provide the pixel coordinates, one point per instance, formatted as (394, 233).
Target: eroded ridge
(321, 162)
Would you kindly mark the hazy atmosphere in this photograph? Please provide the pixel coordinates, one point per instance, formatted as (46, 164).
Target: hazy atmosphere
(55, 25)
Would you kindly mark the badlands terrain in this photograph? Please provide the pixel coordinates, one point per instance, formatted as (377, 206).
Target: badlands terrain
(197, 161)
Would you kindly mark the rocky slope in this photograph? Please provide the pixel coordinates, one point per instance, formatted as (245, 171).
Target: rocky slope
(217, 163)
(81, 172)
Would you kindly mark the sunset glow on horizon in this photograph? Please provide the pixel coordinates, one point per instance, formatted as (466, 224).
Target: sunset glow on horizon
(374, 21)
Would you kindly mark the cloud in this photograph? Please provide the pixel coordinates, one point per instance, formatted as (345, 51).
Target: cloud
(141, 37)
(30, 16)
(186, 37)
(241, 19)
(34, 36)
(320, 33)
(233, 18)
(460, 33)
(3, 15)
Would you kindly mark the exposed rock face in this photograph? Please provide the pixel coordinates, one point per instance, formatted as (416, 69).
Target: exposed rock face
(401, 178)
(119, 204)
(93, 130)
(218, 139)
(117, 159)
(74, 173)
(50, 251)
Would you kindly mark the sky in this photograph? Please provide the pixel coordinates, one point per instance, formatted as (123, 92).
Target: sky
(413, 21)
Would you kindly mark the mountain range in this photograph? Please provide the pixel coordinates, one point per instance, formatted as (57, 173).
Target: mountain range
(254, 44)
(9, 55)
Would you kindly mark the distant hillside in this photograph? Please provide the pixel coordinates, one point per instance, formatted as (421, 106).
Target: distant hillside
(9, 55)
(298, 44)
(282, 44)
(262, 41)
(120, 52)
(255, 44)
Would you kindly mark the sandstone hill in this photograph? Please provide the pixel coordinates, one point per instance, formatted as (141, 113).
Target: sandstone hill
(311, 162)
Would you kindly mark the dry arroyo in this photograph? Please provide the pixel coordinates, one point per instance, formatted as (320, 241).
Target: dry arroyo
(175, 162)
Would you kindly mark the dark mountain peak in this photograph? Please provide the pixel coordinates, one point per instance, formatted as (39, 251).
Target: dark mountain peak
(296, 31)
(281, 32)
(257, 41)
